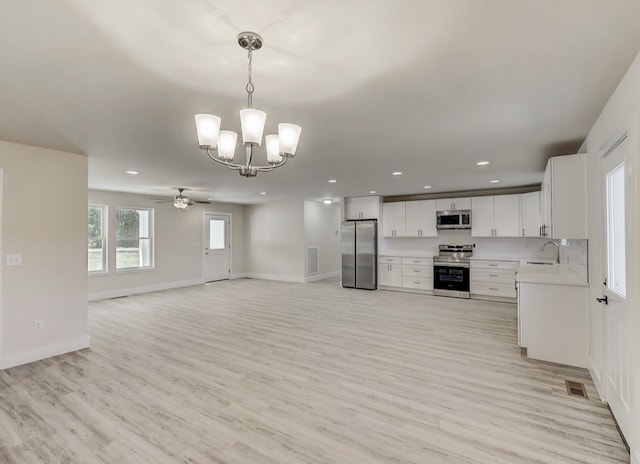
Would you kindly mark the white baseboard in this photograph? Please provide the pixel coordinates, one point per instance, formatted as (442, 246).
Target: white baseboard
(241, 275)
(43, 352)
(279, 278)
(146, 289)
(596, 376)
(317, 277)
(294, 279)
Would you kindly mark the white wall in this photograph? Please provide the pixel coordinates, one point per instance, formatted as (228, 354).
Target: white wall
(322, 230)
(275, 241)
(615, 118)
(177, 243)
(45, 220)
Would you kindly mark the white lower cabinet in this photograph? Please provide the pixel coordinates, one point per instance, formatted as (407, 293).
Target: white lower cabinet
(417, 273)
(493, 279)
(389, 271)
(406, 273)
(552, 322)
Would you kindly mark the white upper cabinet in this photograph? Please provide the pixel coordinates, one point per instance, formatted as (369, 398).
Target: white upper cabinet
(530, 214)
(362, 208)
(421, 218)
(393, 219)
(452, 204)
(495, 216)
(563, 197)
(482, 217)
(506, 215)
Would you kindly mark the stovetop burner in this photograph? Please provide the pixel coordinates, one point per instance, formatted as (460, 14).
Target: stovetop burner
(454, 253)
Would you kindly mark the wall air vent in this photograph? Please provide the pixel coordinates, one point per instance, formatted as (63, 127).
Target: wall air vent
(312, 260)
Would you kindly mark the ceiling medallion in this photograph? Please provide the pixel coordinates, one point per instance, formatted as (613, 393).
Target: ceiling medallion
(220, 145)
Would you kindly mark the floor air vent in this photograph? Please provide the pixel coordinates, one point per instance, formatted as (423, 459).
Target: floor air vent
(576, 389)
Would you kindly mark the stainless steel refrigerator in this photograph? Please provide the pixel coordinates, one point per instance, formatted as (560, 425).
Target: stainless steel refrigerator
(359, 241)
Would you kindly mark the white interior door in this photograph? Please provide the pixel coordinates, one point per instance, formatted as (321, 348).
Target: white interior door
(618, 295)
(217, 247)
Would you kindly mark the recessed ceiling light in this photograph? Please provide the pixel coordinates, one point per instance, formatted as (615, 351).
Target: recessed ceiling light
(327, 201)
(427, 186)
(263, 193)
(397, 173)
(482, 163)
(332, 181)
(132, 173)
(494, 181)
(372, 191)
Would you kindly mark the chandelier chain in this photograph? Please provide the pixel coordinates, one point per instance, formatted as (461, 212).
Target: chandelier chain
(250, 87)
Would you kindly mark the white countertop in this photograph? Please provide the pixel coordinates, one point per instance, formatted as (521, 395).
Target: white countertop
(406, 254)
(556, 274)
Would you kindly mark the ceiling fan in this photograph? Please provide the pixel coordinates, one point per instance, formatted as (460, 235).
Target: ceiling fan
(181, 201)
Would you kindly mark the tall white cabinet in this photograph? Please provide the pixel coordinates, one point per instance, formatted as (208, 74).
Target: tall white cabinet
(563, 197)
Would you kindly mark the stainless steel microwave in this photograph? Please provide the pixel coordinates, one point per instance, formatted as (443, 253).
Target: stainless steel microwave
(454, 219)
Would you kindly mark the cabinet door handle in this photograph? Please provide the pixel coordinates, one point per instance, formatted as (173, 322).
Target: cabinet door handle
(493, 265)
(523, 231)
(494, 289)
(493, 275)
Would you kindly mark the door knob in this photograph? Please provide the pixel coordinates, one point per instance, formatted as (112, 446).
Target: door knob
(604, 299)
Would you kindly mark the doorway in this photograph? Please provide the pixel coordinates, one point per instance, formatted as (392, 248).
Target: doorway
(217, 247)
(618, 296)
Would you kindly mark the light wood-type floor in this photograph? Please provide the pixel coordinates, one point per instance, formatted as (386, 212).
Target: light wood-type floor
(249, 371)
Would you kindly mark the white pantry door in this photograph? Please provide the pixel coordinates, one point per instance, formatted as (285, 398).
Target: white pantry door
(618, 295)
(217, 247)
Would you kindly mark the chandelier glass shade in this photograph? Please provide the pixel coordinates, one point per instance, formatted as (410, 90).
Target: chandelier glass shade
(220, 145)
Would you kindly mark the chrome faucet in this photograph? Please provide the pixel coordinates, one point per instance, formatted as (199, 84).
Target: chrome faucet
(552, 243)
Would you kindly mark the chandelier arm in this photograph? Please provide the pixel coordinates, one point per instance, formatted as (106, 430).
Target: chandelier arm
(273, 166)
(249, 154)
(226, 163)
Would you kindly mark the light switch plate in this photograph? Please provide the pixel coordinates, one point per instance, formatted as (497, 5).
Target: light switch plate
(14, 260)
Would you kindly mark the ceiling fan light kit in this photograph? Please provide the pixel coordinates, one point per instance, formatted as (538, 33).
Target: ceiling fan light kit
(220, 145)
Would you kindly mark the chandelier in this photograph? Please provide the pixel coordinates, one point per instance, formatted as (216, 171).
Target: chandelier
(220, 145)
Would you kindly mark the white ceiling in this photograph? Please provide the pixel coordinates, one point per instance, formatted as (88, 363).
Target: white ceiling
(427, 87)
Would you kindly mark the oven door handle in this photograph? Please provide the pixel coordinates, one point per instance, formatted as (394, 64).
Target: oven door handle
(460, 265)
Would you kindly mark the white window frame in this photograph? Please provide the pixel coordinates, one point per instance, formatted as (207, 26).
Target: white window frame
(149, 237)
(103, 237)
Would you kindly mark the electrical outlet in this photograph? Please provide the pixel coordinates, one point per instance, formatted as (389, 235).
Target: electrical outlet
(38, 325)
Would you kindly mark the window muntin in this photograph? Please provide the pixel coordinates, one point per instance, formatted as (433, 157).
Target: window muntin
(134, 234)
(97, 241)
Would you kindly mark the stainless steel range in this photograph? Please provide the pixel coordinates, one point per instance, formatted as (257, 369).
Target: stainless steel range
(451, 271)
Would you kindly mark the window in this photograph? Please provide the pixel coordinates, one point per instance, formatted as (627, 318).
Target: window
(616, 272)
(97, 252)
(134, 229)
(216, 234)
